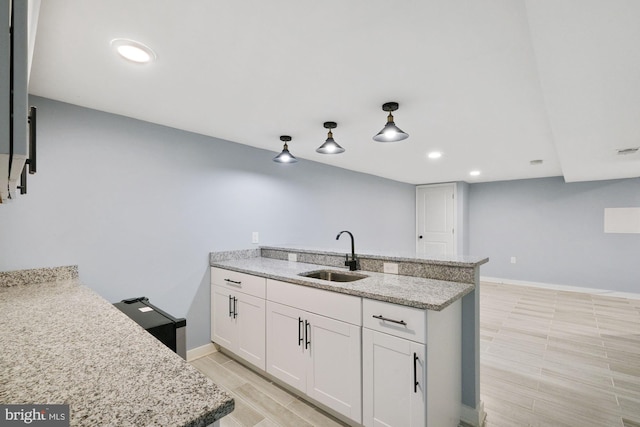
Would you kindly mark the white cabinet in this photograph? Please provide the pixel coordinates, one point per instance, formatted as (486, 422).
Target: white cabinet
(18, 19)
(238, 318)
(376, 363)
(334, 373)
(411, 365)
(223, 325)
(318, 355)
(286, 340)
(394, 379)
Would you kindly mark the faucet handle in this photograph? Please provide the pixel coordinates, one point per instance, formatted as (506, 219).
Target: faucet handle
(353, 263)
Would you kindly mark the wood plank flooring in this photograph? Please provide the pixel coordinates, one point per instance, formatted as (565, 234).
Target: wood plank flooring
(259, 402)
(548, 358)
(558, 358)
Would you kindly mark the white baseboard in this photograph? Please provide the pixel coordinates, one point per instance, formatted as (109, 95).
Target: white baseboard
(473, 416)
(198, 352)
(569, 288)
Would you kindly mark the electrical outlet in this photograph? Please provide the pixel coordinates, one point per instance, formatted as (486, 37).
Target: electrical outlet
(255, 237)
(293, 257)
(390, 268)
(513, 260)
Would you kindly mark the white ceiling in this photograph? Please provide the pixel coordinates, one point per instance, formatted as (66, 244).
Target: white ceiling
(492, 84)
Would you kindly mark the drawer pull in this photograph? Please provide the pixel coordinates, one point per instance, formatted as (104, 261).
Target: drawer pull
(233, 281)
(385, 319)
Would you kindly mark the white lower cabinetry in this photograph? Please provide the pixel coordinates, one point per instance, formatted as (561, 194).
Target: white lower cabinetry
(376, 363)
(238, 324)
(334, 374)
(411, 365)
(285, 349)
(391, 396)
(237, 318)
(317, 355)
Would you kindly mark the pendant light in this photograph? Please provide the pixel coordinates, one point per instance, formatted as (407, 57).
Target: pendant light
(285, 156)
(330, 146)
(390, 132)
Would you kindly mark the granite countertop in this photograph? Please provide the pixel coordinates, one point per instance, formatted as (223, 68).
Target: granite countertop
(61, 343)
(405, 290)
(448, 260)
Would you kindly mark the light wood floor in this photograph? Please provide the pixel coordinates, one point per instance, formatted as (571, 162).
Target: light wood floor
(548, 358)
(258, 401)
(556, 358)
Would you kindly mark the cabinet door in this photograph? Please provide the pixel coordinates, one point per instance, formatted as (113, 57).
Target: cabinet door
(250, 317)
(333, 372)
(223, 324)
(390, 370)
(285, 344)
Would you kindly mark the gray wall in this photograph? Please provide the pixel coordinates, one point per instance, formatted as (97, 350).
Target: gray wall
(555, 231)
(138, 207)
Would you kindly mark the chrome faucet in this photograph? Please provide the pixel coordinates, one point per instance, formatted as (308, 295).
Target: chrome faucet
(354, 264)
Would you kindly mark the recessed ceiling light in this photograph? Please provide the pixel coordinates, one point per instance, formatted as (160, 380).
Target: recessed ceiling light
(434, 155)
(474, 173)
(133, 51)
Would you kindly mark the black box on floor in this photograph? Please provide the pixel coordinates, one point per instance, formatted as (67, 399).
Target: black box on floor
(168, 329)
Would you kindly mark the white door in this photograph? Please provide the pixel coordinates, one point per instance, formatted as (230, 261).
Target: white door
(435, 219)
(286, 330)
(334, 377)
(250, 312)
(390, 369)
(223, 325)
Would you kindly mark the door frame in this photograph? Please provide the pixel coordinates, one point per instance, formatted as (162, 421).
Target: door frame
(455, 213)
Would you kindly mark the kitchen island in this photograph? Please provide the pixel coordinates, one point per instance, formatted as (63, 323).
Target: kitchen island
(409, 325)
(411, 291)
(61, 343)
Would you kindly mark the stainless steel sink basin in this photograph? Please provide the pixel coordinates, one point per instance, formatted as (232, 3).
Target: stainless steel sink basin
(333, 275)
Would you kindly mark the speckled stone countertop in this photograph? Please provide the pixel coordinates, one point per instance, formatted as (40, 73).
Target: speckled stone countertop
(61, 343)
(405, 290)
(449, 260)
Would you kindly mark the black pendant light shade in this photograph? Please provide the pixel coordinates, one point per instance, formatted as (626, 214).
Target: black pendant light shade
(330, 146)
(285, 156)
(390, 132)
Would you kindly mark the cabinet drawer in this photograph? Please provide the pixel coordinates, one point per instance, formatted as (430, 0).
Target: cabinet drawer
(241, 282)
(394, 319)
(347, 308)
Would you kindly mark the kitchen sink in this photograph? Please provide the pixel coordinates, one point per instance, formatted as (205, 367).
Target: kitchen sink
(333, 275)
